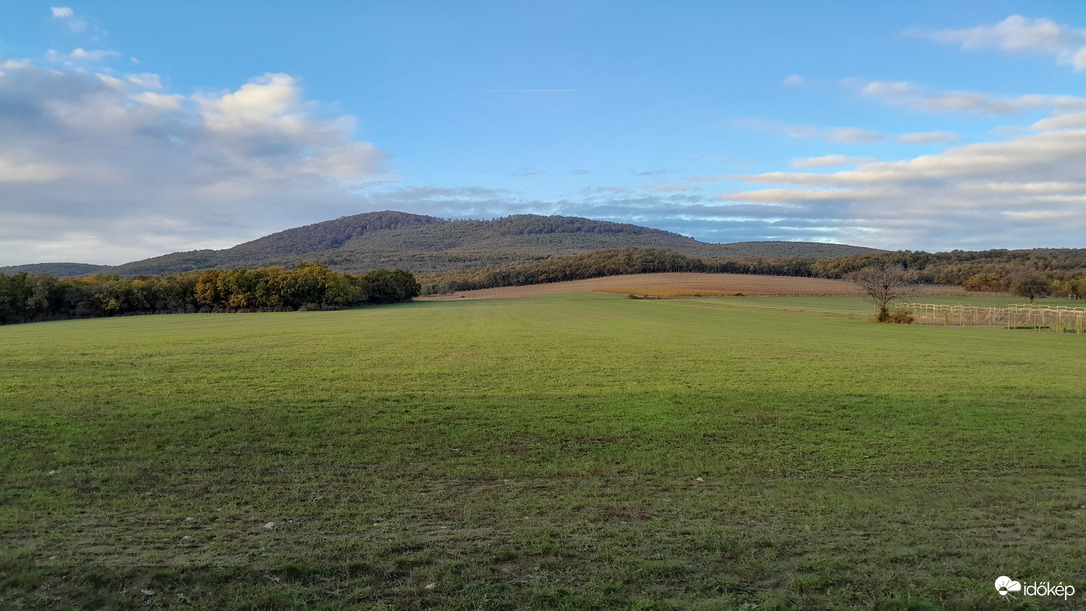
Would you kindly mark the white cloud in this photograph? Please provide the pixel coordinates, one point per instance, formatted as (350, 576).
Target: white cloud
(92, 56)
(19, 168)
(832, 134)
(79, 55)
(1040, 215)
(145, 81)
(986, 189)
(267, 117)
(1018, 34)
(270, 101)
(159, 100)
(1065, 121)
(916, 97)
(827, 161)
(854, 134)
(127, 170)
(15, 64)
(794, 81)
(929, 138)
(68, 15)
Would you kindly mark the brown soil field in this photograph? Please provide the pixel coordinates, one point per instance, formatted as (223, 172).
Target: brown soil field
(689, 285)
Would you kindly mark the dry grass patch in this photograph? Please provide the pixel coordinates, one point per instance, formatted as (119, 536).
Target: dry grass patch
(689, 285)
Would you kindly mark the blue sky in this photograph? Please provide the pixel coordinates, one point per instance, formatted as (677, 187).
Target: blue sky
(131, 129)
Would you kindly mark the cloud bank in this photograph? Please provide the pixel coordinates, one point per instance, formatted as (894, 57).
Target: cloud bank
(917, 97)
(107, 168)
(973, 195)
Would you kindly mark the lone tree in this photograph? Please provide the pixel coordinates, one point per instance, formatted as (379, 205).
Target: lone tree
(1033, 287)
(883, 283)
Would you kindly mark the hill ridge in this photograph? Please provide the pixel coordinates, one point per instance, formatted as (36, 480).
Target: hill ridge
(421, 243)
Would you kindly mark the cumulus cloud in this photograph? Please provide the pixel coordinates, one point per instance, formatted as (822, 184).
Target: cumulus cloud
(1062, 121)
(1018, 34)
(996, 191)
(916, 97)
(61, 12)
(121, 169)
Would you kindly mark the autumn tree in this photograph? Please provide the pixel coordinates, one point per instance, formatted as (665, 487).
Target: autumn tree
(1033, 287)
(882, 283)
(385, 286)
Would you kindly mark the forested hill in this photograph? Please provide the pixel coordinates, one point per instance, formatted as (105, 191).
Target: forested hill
(58, 270)
(329, 235)
(418, 243)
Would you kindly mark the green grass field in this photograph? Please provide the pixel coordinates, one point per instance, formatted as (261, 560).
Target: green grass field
(568, 451)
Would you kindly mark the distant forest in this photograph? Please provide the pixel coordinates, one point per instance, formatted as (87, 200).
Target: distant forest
(985, 271)
(27, 298)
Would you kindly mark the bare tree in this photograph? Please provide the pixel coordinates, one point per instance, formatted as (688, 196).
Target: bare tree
(883, 282)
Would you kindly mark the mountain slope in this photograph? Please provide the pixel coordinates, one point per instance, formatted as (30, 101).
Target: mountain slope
(330, 235)
(58, 270)
(419, 243)
(283, 248)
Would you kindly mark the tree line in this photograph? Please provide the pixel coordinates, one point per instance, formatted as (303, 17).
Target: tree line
(607, 262)
(1062, 271)
(26, 298)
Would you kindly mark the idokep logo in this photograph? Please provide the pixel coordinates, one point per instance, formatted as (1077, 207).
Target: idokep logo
(1005, 585)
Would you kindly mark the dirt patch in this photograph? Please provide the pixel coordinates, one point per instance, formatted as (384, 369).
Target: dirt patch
(687, 285)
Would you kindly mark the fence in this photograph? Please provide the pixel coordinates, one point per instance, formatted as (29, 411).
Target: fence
(1061, 319)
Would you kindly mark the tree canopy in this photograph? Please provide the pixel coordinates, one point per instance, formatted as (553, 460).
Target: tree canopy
(25, 297)
(1032, 287)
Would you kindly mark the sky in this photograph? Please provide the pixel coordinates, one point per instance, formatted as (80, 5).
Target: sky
(130, 129)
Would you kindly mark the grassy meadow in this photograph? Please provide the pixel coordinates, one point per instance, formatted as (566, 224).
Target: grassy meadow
(566, 451)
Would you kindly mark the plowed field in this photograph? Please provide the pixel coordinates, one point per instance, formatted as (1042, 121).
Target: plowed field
(690, 285)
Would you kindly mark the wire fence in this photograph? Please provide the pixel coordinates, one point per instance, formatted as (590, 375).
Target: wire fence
(1060, 319)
